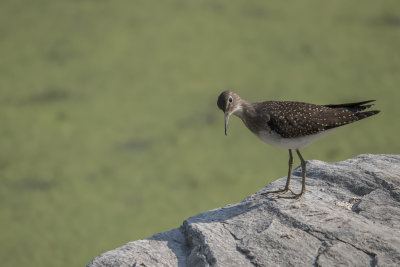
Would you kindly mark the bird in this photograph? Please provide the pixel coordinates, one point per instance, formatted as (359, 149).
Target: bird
(291, 125)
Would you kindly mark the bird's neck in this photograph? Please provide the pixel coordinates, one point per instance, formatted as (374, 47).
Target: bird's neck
(244, 109)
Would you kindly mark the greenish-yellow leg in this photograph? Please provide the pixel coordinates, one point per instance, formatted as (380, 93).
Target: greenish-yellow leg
(303, 181)
(286, 189)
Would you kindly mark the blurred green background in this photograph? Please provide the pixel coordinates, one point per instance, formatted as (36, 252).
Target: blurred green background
(109, 129)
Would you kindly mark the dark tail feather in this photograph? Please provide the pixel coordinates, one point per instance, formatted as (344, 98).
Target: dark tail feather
(349, 105)
(354, 107)
(366, 114)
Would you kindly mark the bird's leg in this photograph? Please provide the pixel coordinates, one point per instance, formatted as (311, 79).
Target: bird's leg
(288, 177)
(303, 174)
(303, 181)
(284, 190)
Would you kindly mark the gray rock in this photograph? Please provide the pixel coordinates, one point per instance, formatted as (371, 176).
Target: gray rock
(350, 217)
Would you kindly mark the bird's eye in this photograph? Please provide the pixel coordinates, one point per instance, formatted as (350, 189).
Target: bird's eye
(230, 99)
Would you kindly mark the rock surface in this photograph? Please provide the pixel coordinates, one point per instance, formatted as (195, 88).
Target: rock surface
(350, 217)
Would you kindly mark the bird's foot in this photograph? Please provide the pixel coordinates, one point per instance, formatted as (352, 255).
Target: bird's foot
(278, 192)
(278, 195)
(298, 197)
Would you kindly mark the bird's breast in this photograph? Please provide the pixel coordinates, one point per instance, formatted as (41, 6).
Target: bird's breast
(274, 139)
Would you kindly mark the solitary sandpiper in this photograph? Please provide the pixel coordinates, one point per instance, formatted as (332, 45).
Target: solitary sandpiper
(291, 125)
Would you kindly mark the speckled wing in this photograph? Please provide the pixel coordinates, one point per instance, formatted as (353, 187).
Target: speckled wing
(295, 119)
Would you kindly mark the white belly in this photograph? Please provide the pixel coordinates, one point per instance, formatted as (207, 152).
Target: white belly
(276, 140)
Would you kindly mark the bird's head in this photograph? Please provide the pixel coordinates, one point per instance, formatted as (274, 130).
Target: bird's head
(229, 103)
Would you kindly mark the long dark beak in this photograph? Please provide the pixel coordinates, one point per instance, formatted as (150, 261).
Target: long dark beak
(227, 115)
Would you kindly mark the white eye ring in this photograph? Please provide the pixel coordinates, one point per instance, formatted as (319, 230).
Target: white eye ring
(230, 99)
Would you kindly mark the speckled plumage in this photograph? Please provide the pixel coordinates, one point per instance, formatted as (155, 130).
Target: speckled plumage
(295, 119)
(291, 125)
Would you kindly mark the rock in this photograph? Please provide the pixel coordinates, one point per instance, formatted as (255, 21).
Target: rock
(350, 217)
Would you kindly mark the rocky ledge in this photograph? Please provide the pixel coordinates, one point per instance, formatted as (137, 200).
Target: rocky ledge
(349, 217)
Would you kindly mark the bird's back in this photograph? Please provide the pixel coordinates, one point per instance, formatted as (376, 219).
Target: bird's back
(295, 119)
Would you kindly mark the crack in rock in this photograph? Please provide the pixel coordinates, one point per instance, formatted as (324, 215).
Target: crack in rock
(244, 252)
(324, 247)
(371, 255)
(200, 254)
